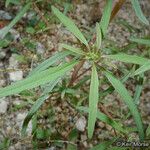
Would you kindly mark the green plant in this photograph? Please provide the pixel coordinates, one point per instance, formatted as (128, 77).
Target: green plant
(48, 74)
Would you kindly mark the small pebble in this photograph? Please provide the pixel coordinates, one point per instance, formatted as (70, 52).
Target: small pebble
(5, 15)
(3, 105)
(81, 124)
(40, 48)
(16, 76)
(83, 137)
(101, 124)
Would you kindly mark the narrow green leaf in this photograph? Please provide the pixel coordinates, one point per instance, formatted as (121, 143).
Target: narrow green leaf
(123, 79)
(73, 49)
(138, 11)
(119, 148)
(138, 90)
(93, 100)
(36, 106)
(104, 145)
(142, 69)
(106, 16)
(70, 25)
(6, 29)
(119, 87)
(11, 1)
(34, 124)
(101, 116)
(4, 43)
(49, 62)
(129, 58)
(148, 131)
(37, 79)
(98, 36)
(7, 3)
(141, 41)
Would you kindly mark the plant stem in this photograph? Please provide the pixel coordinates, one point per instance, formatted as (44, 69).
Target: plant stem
(116, 9)
(75, 72)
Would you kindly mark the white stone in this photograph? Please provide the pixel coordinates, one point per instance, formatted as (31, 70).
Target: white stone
(12, 148)
(86, 65)
(30, 15)
(13, 62)
(40, 48)
(17, 102)
(16, 76)
(15, 34)
(3, 105)
(2, 54)
(2, 82)
(52, 148)
(81, 124)
(5, 15)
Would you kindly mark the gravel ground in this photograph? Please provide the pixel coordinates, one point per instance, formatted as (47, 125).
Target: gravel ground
(66, 118)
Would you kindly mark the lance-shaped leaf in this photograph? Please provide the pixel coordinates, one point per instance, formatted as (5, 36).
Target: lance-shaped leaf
(138, 11)
(119, 87)
(37, 79)
(106, 16)
(73, 49)
(138, 89)
(142, 69)
(141, 41)
(6, 29)
(98, 36)
(104, 118)
(49, 62)
(37, 105)
(104, 145)
(93, 100)
(70, 25)
(129, 58)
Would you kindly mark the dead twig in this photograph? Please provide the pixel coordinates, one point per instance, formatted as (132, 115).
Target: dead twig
(75, 72)
(116, 9)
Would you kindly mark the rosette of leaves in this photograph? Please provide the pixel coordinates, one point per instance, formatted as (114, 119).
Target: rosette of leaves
(99, 61)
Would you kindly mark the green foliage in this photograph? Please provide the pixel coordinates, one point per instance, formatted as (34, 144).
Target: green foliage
(70, 25)
(142, 69)
(129, 58)
(73, 49)
(119, 87)
(104, 145)
(4, 43)
(148, 131)
(138, 89)
(38, 104)
(48, 74)
(138, 11)
(98, 36)
(93, 101)
(101, 116)
(5, 144)
(6, 29)
(141, 41)
(43, 77)
(8, 2)
(106, 17)
(49, 62)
